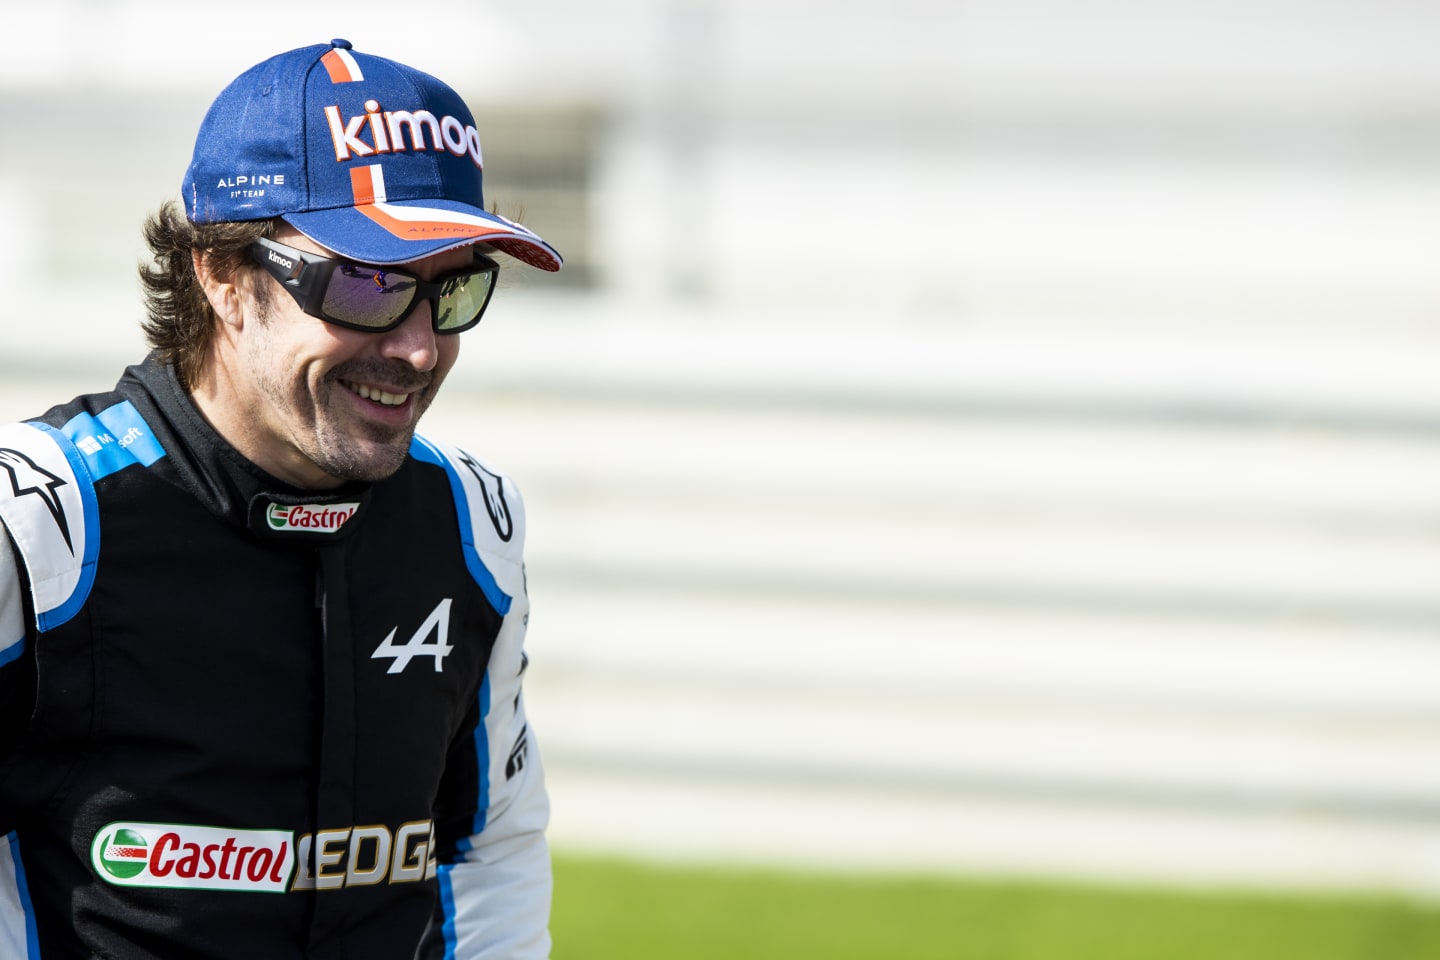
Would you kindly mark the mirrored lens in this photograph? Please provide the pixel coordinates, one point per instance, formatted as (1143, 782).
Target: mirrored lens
(367, 296)
(462, 298)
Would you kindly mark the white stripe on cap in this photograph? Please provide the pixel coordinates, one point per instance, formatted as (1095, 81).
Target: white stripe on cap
(350, 69)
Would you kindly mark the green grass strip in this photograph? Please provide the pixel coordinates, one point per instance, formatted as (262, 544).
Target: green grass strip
(618, 909)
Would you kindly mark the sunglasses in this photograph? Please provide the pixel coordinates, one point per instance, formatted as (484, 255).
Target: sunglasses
(377, 299)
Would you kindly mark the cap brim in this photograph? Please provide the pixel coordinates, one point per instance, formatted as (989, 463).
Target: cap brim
(391, 232)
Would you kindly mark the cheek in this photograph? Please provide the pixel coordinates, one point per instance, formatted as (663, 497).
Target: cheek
(448, 349)
(290, 371)
(311, 352)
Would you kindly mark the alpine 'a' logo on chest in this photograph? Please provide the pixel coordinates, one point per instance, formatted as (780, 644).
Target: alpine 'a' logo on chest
(432, 639)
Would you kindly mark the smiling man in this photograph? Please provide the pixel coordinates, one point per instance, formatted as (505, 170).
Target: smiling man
(316, 404)
(261, 642)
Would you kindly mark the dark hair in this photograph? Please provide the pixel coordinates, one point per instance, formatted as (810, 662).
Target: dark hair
(180, 323)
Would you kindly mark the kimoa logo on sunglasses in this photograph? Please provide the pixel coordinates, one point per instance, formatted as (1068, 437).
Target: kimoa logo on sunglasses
(310, 517)
(285, 262)
(387, 133)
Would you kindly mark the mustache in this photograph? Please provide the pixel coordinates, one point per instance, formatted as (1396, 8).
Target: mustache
(378, 370)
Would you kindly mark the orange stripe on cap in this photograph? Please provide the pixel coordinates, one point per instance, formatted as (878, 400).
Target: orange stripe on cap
(341, 66)
(427, 229)
(367, 184)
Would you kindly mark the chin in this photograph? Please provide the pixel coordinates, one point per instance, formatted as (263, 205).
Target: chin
(365, 462)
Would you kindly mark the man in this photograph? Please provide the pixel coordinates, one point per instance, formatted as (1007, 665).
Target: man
(260, 643)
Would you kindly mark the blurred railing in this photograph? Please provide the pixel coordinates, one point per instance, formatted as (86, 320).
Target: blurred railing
(1000, 631)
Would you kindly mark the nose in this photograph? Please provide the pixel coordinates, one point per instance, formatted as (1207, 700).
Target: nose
(414, 340)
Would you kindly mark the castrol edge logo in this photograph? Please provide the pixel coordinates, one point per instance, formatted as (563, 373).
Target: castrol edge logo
(205, 858)
(309, 517)
(273, 861)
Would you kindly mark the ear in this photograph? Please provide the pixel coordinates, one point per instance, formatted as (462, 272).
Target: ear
(223, 294)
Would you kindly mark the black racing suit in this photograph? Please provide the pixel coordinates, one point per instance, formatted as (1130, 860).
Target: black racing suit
(243, 720)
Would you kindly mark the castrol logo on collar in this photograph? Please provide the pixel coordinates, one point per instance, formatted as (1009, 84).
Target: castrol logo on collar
(309, 517)
(202, 858)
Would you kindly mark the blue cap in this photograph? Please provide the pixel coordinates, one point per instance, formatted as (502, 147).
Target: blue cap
(368, 157)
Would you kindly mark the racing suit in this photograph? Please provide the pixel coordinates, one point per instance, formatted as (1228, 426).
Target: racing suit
(243, 720)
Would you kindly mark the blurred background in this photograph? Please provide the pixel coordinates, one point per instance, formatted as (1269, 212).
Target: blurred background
(985, 437)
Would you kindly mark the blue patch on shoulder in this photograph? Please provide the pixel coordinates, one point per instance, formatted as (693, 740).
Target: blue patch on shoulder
(113, 440)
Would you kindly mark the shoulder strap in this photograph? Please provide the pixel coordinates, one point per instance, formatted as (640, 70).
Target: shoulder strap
(492, 520)
(47, 504)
